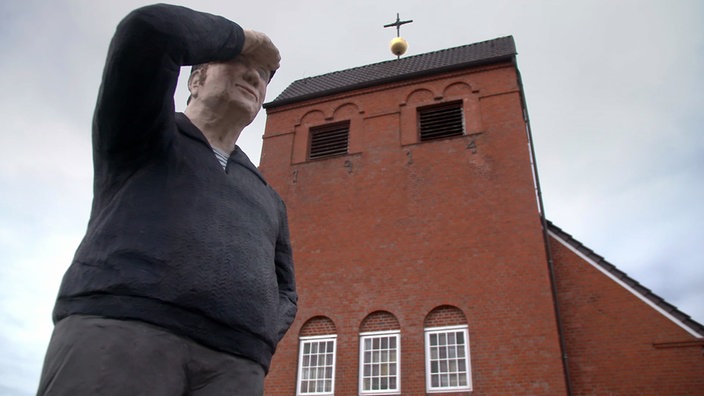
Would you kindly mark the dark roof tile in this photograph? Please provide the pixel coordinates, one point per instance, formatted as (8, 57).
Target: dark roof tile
(490, 51)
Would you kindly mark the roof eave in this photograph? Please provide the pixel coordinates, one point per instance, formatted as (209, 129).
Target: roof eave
(684, 319)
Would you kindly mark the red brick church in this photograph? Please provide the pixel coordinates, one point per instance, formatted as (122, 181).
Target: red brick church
(424, 261)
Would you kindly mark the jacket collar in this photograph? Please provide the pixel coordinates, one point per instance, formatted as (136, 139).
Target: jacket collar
(185, 126)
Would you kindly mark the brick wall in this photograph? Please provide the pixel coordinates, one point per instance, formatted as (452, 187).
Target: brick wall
(617, 344)
(405, 227)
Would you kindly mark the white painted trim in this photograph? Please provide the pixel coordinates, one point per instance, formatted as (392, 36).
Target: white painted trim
(444, 328)
(317, 337)
(468, 359)
(372, 334)
(384, 332)
(625, 285)
(333, 338)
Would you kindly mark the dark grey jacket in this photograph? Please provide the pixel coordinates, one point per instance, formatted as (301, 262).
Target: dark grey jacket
(174, 240)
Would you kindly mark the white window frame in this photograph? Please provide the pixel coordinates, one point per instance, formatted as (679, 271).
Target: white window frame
(301, 348)
(428, 360)
(370, 336)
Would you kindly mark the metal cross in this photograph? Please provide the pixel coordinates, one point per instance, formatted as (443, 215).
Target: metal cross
(398, 24)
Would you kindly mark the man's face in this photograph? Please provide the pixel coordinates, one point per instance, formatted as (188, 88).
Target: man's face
(239, 85)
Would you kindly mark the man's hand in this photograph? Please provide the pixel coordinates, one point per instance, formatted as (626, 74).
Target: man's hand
(258, 47)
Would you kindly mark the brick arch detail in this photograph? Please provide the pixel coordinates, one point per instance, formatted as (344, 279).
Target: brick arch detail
(445, 315)
(346, 110)
(457, 89)
(379, 321)
(314, 116)
(420, 95)
(318, 325)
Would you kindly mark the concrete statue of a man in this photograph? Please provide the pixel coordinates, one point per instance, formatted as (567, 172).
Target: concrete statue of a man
(184, 281)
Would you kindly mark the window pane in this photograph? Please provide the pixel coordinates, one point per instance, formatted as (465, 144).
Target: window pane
(453, 379)
(316, 366)
(444, 380)
(452, 353)
(447, 360)
(379, 366)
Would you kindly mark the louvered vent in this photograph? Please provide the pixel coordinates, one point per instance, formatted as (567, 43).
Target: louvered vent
(441, 121)
(329, 140)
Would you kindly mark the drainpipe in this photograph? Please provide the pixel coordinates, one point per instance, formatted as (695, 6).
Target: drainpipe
(548, 253)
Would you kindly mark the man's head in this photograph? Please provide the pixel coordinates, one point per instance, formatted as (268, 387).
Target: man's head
(203, 68)
(237, 85)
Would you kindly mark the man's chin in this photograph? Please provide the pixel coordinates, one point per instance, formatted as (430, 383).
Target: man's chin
(248, 111)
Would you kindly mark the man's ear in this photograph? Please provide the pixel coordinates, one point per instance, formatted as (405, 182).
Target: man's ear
(195, 80)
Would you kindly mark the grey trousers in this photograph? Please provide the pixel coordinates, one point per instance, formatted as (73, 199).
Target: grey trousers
(90, 355)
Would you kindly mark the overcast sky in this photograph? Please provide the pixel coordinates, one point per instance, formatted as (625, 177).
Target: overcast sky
(615, 94)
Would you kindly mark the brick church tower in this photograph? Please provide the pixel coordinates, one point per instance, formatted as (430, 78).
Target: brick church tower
(423, 262)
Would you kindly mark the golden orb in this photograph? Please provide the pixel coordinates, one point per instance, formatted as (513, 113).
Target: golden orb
(398, 46)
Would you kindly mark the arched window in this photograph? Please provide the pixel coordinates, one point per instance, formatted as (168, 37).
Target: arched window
(316, 357)
(380, 354)
(447, 362)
